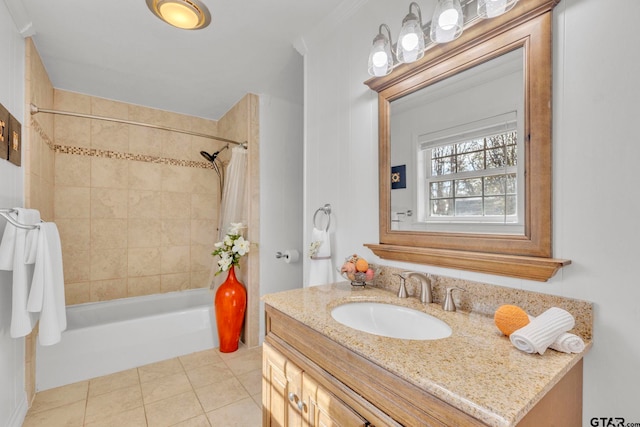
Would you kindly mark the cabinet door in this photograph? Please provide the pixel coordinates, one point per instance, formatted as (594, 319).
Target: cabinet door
(281, 390)
(323, 409)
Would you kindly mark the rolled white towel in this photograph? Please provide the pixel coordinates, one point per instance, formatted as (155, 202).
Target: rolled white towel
(542, 331)
(568, 343)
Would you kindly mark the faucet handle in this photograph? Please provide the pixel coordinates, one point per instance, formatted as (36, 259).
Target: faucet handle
(449, 304)
(402, 292)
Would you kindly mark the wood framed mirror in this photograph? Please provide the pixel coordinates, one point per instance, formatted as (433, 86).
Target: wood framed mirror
(466, 220)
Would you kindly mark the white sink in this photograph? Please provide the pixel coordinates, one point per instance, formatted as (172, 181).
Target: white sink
(391, 321)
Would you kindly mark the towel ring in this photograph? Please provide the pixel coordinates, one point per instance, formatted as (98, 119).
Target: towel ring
(5, 213)
(326, 209)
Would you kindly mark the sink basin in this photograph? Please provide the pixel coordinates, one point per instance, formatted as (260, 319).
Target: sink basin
(390, 320)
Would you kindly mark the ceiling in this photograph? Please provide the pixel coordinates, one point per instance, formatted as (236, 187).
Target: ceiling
(117, 49)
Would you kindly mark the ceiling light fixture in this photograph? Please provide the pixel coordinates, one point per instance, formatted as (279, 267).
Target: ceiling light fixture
(185, 14)
(446, 25)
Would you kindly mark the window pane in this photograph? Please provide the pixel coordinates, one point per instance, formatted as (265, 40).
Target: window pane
(494, 206)
(444, 151)
(496, 158)
(442, 166)
(466, 147)
(511, 183)
(494, 185)
(471, 161)
(512, 155)
(512, 205)
(442, 207)
(441, 189)
(469, 187)
(496, 141)
(469, 207)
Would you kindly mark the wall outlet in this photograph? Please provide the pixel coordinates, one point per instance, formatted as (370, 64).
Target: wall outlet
(4, 133)
(15, 141)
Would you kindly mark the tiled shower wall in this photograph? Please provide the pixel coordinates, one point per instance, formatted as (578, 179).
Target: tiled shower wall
(137, 208)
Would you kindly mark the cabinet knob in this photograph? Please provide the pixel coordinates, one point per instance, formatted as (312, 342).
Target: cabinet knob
(300, 405)
(292, 396)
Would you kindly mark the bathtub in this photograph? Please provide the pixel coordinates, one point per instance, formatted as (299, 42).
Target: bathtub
(111, 336)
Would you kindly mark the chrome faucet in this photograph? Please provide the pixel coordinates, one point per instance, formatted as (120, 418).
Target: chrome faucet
(426, 294)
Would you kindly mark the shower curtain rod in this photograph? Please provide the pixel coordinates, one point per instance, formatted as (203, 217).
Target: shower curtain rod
(35, 110)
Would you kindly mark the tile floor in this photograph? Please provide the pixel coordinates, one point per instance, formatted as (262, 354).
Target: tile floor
(204, 389)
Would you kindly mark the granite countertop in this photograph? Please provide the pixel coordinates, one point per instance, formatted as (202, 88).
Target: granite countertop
(476, 369)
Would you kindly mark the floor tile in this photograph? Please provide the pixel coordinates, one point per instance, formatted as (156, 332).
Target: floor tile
(113, 382)
(114, 402)
(209, 374)
(60, 396)
(199, 421)
(201, 358)
(160, 369)
(132, 418)
(244, 413)
(163, 387)
(173, 410)
(252, 381)
(250, 360)
(71, 415)
(220, 394)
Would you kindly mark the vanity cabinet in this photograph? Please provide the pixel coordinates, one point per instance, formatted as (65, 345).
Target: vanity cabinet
(291, 397)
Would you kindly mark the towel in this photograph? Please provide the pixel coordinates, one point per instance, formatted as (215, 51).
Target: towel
(568, 343)
(16, 252)
(542, 331)
(320, 270)
(47, 289)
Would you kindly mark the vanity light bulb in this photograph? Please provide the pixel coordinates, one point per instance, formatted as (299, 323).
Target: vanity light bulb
(379, 59)
(493, 8)
(410, 42)
(448, 19)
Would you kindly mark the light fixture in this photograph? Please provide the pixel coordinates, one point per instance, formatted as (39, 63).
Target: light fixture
(380, 57)
(493, 8)
(447, 21)
(410, 46)
(185, 14)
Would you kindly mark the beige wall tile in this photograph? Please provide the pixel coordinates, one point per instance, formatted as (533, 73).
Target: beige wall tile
(77, 293)
(175, 282)
(205, 181)
(108, 233)
(46, 200)
(105, 290)
(145, 233)
(145, 176)
(108, 203)
(71, 202)
(201, 258)
(177, 146)
(72, 131)
(204, 232)
(76, 265)
(147, 285)
(108, 263)
(144, 204)
(72, 170)
(175, 259)
(176, 205)
(71, 101)
(203, 206)
(176, 232)
(176, 178)
(109, 173)
(144, 262)
(200, 279)
(74, 233)
(109, 135)
(145, 141)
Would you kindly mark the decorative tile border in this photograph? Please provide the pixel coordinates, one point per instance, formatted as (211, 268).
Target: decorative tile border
(92, 152)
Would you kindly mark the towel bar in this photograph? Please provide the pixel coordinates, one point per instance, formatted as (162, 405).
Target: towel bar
(5, 213)
(326, 209)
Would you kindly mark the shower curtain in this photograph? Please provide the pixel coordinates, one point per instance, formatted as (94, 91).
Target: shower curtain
(233, 205)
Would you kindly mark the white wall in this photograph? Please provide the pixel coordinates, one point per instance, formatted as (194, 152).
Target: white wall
(596, 150)
(13, 399)
(281, 185)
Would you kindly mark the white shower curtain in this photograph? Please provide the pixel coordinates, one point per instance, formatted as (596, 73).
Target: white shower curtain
(233, 205)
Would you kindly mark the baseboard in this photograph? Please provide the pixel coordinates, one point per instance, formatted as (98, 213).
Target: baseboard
(20, 412)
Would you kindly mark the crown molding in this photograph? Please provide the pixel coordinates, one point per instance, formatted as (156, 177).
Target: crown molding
(20, 17)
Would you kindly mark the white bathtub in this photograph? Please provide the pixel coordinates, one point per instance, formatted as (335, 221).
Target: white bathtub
(111, 336)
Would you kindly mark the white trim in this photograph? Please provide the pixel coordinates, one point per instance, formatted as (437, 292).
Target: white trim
(20, 412)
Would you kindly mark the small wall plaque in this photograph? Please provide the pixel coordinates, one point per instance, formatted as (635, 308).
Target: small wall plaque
(15, 141)
(398, 177)
(4, 133)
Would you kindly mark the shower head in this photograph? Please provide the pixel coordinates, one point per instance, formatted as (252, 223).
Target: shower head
(212, 157)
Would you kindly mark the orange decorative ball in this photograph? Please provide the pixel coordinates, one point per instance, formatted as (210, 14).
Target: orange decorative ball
(362, 265)
(510, 318)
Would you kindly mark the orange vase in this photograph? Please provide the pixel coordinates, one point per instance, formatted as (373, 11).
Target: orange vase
(230, 304)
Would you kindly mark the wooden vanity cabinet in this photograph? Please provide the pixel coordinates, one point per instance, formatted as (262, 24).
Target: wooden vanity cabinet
(291, 397)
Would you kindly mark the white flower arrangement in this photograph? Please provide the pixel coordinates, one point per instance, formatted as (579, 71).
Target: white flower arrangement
(232, 248)
(314, 247)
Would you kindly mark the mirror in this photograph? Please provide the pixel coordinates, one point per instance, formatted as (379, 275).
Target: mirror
(465, 150)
